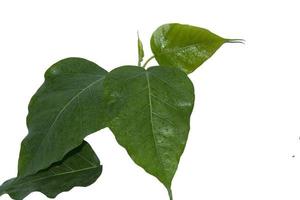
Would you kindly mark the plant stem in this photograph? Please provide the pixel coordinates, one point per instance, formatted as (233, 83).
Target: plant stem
(148, 61)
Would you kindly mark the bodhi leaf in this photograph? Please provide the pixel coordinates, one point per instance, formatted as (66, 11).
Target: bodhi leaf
(80, 167)
(184, 46)
(140, 51)
(150, 111)
(66, 108)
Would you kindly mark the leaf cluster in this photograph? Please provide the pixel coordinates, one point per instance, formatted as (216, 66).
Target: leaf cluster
(147, 109)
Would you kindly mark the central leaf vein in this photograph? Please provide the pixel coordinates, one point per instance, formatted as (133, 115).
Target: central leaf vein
(151, 121)
(76, 96)
(59, 174)
(63, 109)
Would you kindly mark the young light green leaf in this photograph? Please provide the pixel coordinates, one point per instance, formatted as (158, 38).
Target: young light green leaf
(66, 108)
(80, 167)
(150, 111)
(140, 51)
(184, 46)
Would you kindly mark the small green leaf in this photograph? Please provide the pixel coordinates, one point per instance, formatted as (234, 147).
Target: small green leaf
(80, 167)
(140, 51)
(66, 108)
(150, 111)
(184, 46)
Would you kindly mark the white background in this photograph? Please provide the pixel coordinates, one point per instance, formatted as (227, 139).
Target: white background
(245, 125)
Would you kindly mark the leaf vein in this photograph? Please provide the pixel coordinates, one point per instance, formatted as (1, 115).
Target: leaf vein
(61, 112)
(51, 176)
(151, 121)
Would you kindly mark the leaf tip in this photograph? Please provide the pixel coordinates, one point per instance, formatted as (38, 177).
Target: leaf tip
(170, 193)
(3, 187)
(241, 41)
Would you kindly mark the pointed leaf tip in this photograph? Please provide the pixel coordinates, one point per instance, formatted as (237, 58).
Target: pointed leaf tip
(241, 41)
(170, 194)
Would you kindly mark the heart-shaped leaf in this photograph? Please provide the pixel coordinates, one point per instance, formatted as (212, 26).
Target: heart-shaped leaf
(151, 113)
(184, 46)
(80, 167)
(66, 108)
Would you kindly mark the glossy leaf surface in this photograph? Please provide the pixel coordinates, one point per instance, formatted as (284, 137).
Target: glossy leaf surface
(184, 46)
(66, 108)
(80, 167)
(151, 113)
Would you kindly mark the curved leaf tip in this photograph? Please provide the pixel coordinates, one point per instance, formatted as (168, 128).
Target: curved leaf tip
(241, 41)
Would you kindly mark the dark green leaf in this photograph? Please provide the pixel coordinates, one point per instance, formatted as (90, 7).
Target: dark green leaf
(151, 112)
(184, 46)
(140, 51)
(66, 108)
(80, 167)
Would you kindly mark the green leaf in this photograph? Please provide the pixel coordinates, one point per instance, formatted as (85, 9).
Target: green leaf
(150, 111)
(66, 108)
(140, 51)
(184, 46)
(80, 167)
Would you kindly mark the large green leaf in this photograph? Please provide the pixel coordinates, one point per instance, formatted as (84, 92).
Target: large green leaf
(151, 112)
(66, 108)
(184, 46)
(80, 167)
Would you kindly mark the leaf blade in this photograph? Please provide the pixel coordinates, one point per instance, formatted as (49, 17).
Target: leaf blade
(80, 167)
(184, 46)
(150, 116)
(66, 108)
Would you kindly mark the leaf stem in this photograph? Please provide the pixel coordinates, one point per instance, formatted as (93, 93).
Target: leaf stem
(148, 61)
(170, 193)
